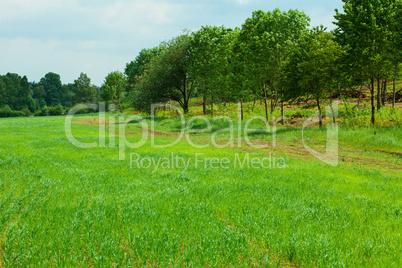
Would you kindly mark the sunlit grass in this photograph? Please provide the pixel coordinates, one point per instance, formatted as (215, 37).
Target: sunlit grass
(65, 206)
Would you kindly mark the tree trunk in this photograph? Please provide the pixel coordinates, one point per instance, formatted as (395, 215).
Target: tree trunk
(319, 112)
(212, 105)
(266, 104)
(393, 95)
(119, 105)
(242, 110)
(204, 104)
(378, 93)
(372, 101)
(282, 114)
(255, 99)
(185, 105)
(360, 96)
(384, 92)
(332, 110)
(185, 99)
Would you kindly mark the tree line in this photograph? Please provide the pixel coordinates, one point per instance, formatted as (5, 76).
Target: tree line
(18, 94)
(275, 58)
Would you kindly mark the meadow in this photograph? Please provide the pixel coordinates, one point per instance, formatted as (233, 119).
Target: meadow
(63, 206)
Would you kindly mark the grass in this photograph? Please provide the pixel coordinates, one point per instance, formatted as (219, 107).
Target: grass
(65, 206)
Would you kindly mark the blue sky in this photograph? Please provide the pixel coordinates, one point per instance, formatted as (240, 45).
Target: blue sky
(100, 36)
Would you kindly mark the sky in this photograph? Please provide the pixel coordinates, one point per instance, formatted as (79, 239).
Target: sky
(100, 36)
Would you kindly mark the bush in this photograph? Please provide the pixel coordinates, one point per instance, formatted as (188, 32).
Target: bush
(7, 112)
(58, 110)
(86, 111)
(43, 112)
(6, 108)
(27, 113)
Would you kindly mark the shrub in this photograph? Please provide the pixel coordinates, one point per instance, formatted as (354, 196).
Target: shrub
(6, 108)
(27, 112)
(58, 110)
(7, 112)
(43, 112)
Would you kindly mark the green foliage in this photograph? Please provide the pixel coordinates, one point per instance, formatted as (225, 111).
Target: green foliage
(312, 70)
(27, 112)
(136, 69)
(15, 92)
(7, 112)
(57, 110)
(267, 40)
(113, 88)
(210, 49)
(166, 77)
(371, 31)
(52, 87)
(83, 91)
(42, 104)
(366, 27)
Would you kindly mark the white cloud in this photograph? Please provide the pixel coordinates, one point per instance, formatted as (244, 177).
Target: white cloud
(10, 10)
(99, 36)
(35, 58)
(242, 2)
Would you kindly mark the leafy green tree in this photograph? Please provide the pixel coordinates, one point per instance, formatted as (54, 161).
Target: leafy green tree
(52, 86)
(82, 89)
(268, 38)
(238, 78)
(365, 26)
(12, 83)
(38, 91)
(136, 68)
(313, 67)
(67, 95)
(209, 51)
(24, 95)
(166, 77)
(3, 93)
(113, 88)
(395, 51)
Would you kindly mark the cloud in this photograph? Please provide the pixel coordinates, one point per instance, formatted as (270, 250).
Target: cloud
(242, 2)
(100, 36)
(37, 57)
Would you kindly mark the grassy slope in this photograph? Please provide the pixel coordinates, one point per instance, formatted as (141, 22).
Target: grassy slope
(64, 206)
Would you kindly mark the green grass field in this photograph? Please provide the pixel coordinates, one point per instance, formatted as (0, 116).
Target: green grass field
(62, 206)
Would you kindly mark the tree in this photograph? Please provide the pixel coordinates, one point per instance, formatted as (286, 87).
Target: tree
(209, 51)
(52, 86)
(366, 28)
(166, 77)
(135, 69)
(3, 93)
(24, 97)
(67, 95)
(395, 51)
(313, 68)
(12, 83)
(238, 78)
(268, 38)
(113, 88)
(82, 89)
